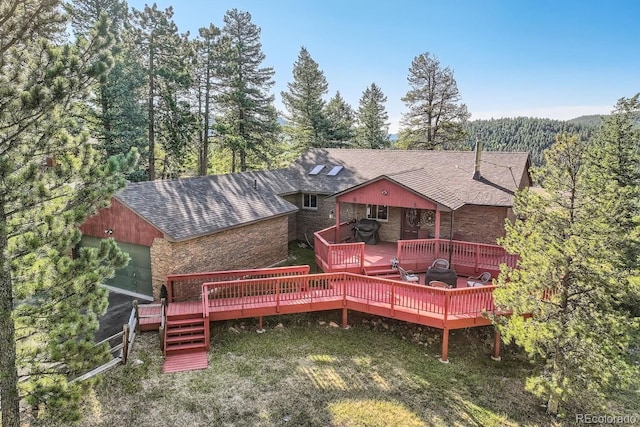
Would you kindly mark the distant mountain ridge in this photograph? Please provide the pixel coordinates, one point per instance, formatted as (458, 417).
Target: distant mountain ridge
(528, 134)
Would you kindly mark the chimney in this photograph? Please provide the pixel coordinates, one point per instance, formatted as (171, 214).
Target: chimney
(476, 168)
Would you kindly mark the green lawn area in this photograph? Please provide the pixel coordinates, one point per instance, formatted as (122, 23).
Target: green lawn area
(305, 372)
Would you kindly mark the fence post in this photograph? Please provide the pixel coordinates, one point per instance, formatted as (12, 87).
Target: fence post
(163, 304)
(137, 315)
(125, 344)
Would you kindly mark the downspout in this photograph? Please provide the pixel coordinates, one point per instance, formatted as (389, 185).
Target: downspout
(337, 215)
(451, 235)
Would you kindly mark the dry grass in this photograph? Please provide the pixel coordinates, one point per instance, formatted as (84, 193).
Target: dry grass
(378, 373)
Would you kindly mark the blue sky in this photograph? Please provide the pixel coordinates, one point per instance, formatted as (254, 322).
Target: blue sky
(539, 58)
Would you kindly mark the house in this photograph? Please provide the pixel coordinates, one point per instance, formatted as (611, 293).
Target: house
(462, 195)
(218, 222)
(245, 220)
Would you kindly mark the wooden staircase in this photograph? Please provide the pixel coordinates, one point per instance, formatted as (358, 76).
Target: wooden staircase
(185, 339)
(385, 271)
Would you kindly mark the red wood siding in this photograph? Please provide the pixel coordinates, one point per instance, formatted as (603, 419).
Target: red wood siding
(384, 192)
(127, 226)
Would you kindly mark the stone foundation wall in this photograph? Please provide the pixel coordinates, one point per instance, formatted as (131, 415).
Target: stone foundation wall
(253, 246)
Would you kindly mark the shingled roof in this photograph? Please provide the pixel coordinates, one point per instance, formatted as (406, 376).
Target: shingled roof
(446, 177)
(186, 208)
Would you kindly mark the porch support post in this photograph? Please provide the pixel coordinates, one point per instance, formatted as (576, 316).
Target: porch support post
(337, 216)
(444, 358)
(496, 346)
(345, 325)
(260, 328)
(437, 226)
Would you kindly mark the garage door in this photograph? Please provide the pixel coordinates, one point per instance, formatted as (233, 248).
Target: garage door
(135, 278)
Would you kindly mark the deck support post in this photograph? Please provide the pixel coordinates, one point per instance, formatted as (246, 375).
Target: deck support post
(444, 358)
(260, 328)
(345, 325)
(496, 346)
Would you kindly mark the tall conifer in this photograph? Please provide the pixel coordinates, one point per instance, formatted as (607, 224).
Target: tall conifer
(51, 179)
(372, 129)
(306, 120)
(249, 119)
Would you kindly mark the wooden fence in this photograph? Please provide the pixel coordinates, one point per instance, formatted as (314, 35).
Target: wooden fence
(122, 350)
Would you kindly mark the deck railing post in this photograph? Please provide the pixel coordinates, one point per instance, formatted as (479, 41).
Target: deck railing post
(137, 315)
(393, 298)
(496, 346)
(170, 290)
(444, 357)
(125, 343)
(277, 285)
(477, 257)
(447, 296)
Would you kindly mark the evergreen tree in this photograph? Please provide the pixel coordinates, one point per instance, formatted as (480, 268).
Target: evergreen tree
(117, 118)
(165, 54)
(84, 14)
(528, 134)
(248, 124)
(436, 117)
(207, 57)
(372, 129)
(568, 283)
(51, 179)
(306, 121)
(341, 122)
(614, 165)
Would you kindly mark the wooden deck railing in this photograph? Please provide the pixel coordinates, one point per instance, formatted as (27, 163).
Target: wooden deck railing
(466, 257)
(347, 290)
(188, 287)
(333, 257)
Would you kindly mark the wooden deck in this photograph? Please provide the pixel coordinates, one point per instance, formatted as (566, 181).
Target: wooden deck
(187, 326)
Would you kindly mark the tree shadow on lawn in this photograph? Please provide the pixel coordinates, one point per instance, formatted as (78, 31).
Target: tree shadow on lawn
(309, 373)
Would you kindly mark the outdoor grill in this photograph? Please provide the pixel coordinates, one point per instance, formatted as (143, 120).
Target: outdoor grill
(446, 275)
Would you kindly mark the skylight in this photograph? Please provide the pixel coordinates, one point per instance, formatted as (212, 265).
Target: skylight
(335, 171)
(316, 170)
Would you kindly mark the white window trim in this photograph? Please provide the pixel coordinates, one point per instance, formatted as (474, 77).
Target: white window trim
(310, 208)
(376, 218)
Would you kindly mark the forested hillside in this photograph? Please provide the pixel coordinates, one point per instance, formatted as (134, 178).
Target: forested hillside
(523, 134)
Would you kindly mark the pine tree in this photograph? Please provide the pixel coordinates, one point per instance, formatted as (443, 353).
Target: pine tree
(307, 121)
(248, 124)
(341, 122)
(372, 129)
(436, 117)
(117, 118)
(51, 179)
(165, 55)
(569, 283)
(207, 57)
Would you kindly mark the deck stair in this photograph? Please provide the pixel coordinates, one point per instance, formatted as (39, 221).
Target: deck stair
(185, 340)
(381, 271)
(150, 316)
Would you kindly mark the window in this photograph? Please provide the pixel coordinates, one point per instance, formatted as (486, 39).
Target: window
(379, 212)
(335, 171)
(309, 201)
(316, 170)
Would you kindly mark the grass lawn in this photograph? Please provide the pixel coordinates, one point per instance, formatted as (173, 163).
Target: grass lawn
(305, 372)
